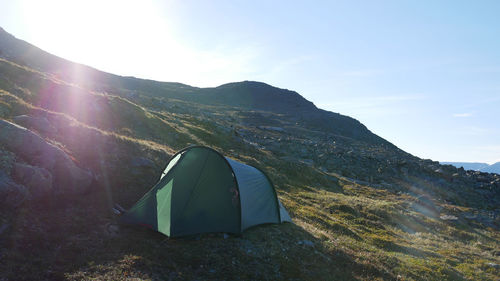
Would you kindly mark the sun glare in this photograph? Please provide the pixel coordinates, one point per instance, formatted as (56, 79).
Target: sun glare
(104, 34)
(134, 38)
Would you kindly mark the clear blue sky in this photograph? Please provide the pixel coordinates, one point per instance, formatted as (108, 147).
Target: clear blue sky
(424, 75)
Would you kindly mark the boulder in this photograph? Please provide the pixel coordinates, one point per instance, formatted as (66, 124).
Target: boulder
(40, 124)
(7, 160)
(448, 217)
(11, 194)
(67, 177)
(37, 180)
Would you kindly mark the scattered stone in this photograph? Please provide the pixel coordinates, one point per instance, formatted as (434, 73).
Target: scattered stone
(494, 265)
(448, 217)
(270, 128)
(306, 243)
(308, 162)
(470, 216)
(112, 229)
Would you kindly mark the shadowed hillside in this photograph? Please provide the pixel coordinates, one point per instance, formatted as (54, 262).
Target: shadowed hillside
(363, 209)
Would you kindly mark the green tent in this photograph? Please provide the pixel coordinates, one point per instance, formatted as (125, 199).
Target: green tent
(202, 191)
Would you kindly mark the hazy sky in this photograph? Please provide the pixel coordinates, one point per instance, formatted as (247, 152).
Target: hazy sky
(424, 75)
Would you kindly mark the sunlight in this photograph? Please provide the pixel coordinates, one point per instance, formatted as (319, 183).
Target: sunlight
(134, 38)
(103, 34)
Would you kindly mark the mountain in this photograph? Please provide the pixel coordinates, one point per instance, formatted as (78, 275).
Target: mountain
(493, 168)
(483, 167)
(467, 165)
(74, 140)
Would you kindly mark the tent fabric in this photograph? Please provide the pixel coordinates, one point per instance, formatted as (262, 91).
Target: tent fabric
(255, 193)
(202, 191)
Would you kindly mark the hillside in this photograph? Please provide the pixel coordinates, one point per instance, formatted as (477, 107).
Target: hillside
(363, 209)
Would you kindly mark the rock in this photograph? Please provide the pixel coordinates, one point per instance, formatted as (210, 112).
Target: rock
(448, 217)
(494, 265)
(306, 243)
(404, 171)
(483, 178)
(303, 152)
(27, 144)
(11, 194)
(308, 162)
(470, 216)
(7, 160)
(112, 229)
(270, 128)
(37, 180)
(67, 177)
(40, 124)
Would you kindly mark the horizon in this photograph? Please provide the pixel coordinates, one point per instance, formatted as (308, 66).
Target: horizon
(421, 75)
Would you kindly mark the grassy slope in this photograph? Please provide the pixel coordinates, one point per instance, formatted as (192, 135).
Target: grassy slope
(343, 229)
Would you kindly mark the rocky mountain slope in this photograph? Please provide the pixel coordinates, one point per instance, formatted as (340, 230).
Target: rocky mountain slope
(74, 140)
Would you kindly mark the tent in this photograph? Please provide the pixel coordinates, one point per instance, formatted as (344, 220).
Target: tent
(202, 191)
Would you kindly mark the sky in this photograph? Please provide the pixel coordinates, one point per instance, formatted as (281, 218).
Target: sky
(424, 75)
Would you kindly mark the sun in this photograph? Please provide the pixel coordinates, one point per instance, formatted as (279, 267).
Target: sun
(103, 34)
(146, 39)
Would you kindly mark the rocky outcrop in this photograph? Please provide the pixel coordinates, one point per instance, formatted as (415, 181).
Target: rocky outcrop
(11, 193)
(37, 180)
(40, 124)
(41, 167)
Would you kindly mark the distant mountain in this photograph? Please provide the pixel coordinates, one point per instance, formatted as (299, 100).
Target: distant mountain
(475, 166)
(493, 168)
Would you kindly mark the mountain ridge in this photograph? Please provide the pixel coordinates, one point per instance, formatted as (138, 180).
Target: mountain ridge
(251, 94)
